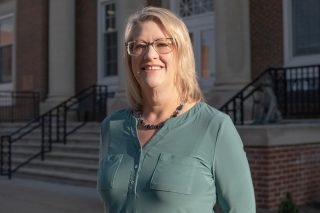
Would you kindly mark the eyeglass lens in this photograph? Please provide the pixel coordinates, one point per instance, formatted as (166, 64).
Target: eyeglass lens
(162, 46)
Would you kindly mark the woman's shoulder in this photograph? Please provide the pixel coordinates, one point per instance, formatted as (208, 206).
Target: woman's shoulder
(211, 112)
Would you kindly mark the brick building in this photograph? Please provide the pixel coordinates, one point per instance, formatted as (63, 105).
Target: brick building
(59, 47)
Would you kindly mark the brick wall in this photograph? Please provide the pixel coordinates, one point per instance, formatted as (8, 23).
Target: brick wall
(32, 46)
(86, 43)
(280, 169)
(266, 34)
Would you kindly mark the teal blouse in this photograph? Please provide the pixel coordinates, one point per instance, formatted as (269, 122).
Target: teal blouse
(194, 160)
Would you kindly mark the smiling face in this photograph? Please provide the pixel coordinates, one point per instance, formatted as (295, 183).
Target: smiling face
(151, 69)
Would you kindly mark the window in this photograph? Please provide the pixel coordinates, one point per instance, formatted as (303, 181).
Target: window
(110, 40)
(6, 46)
(301, 32)
(306, 27)
(199, 18)
(108, 44)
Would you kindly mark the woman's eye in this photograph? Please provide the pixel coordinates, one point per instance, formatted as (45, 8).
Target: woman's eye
(162, 44)
(139, 46)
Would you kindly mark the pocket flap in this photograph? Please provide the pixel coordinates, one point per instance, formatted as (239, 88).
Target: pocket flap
(173, 174)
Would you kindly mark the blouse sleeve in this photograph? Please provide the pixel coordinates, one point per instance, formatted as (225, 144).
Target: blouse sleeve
(234, 186)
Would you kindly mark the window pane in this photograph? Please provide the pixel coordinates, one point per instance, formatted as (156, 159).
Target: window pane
(6, 40)
(5, 64)
(306, 27)
(110, 50)
(6, 31)
(110, 13)
(110, 41)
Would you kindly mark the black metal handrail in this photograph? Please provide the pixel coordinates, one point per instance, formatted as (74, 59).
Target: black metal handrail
(88, 104)
(291, 92)
(18, 105)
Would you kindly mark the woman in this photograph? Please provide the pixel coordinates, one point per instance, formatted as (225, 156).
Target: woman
(170, 152)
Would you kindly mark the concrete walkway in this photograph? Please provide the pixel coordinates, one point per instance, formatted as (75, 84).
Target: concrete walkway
(28, 196)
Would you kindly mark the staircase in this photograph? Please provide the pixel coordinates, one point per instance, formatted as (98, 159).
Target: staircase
(61, 145)
(73, 163)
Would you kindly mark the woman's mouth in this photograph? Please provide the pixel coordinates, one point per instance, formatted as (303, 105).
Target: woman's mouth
(152, 67)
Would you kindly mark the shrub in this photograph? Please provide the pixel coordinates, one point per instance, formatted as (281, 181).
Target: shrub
(287, 205)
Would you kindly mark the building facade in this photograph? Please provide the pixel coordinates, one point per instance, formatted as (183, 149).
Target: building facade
(59, 47)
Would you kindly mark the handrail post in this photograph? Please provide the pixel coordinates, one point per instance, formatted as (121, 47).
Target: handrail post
(318, 86)
(105, 101)
(9, 157)
(12, 108)
(65, 108)
(6, 152)
(241, 109)
(1, 155)
(93, 108)
(58, 125)
(234, 110)
(36, 103)
(285, 89)
(42, 137)
(50, 131)
(100, 103)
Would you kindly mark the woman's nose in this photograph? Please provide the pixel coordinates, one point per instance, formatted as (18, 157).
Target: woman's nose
(150, 52)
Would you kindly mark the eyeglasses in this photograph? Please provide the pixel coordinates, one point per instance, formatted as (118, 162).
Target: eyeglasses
(162, 46)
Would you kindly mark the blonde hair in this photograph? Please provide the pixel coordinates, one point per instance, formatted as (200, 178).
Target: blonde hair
(187, 84)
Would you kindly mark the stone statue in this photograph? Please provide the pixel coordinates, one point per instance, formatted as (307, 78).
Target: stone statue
(266, 107)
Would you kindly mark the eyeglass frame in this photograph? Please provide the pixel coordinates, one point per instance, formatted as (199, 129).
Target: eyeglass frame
(148, 44)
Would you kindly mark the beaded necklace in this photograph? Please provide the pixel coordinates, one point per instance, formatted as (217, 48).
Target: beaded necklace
(144, 125)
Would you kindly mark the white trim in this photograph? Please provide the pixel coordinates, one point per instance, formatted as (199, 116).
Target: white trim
(11, 86)
(289, 59)
(112, 81)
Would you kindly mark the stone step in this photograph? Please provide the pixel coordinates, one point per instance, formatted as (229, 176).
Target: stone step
(6, 128)
(55, 165)
(74, 138)
(12, 125)
(85, 158)
(79, 141)
(57, 176)
(71, 148)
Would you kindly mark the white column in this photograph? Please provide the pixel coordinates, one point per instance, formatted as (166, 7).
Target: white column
(232, 49)
(124, 10)
(61, 50)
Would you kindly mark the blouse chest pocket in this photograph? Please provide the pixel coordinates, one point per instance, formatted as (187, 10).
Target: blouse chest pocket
(174, 174)
(108, 171)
